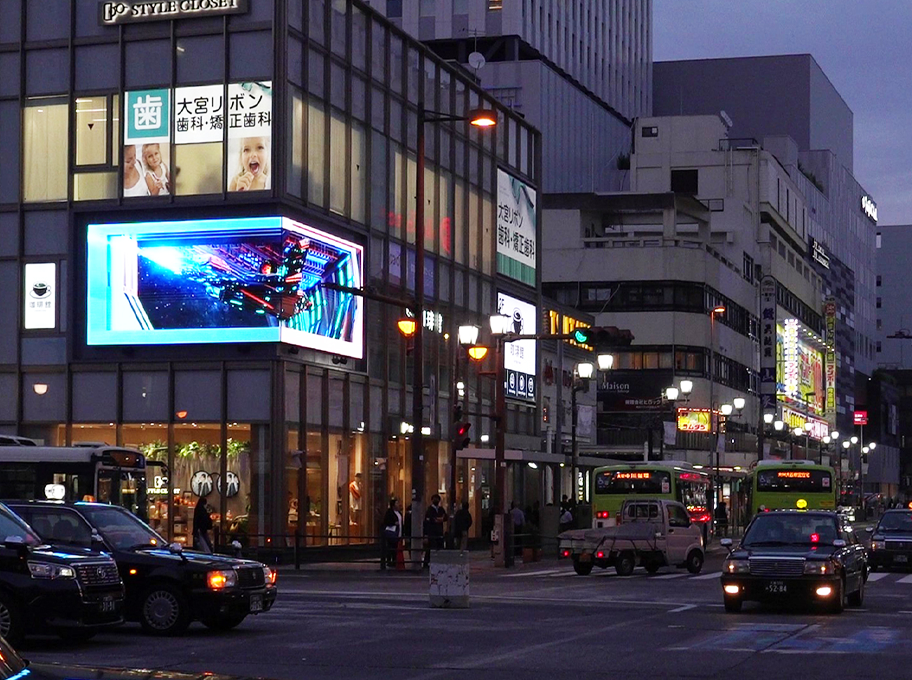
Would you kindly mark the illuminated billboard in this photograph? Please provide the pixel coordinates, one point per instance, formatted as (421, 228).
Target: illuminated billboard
(223, 281)
(799, 365)
(694, 420)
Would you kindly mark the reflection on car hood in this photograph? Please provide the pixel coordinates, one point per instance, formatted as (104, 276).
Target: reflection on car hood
(52, 671)
(202, 559)
(819, 553)
(67, 554)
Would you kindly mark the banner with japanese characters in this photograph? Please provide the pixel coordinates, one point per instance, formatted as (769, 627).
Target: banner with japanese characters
(520, 360)
(516, 228)
(249, 136)
(147, 148)
(199, 114)
(768, 344)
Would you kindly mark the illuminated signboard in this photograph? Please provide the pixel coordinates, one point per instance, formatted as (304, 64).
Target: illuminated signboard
(40, 295)
(819, 428)
(790, 356)
(561, 324)
(694, 420)
(860, 418)
(633, 475)
(800, 368)
(869, 208)
(793, 474)
(135, 11)
(520, 360)
(223, 281)
(830, 315)
(516, 230)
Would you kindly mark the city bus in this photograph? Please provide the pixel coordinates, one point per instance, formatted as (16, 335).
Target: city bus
(96, 472)
(673, 480)
(788, 485)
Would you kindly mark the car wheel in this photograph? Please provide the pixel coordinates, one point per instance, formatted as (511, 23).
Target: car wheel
(164, 611)
(226, 622)
(12, 626)
(76, 635)
(695, 562)
(856, 599)
(839, 602)
(582, 568)
(625, 564)
(732, 604)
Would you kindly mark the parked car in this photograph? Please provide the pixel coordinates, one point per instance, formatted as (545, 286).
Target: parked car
(167, 587)
(73, 592)
(891, 540)
(793, 556)
(652, 533)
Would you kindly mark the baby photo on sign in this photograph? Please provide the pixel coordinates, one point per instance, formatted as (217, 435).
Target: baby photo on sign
(249, 150)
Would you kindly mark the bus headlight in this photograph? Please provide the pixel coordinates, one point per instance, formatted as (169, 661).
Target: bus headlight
(48, 570)
(736, 567)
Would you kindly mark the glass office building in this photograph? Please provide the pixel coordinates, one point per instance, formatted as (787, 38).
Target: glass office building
(188, 199)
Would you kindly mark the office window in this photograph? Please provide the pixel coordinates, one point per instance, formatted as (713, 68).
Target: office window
(748, 267)
(685, 181)
(879, 280)
(45, 140)
(393, 8)
(879, 303)
(91, 130)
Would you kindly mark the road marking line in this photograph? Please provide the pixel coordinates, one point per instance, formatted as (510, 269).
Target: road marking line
(876, 576)
(682, 609)
(563, 573)
(905, 579)
(706, 577)
(667, 577)
(541, 572)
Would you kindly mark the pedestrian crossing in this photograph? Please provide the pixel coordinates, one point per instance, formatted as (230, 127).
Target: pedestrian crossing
(879, 577)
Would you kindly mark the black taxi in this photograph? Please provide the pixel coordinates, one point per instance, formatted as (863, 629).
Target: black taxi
(73, 592)
(167, 587)
(891, 540)
(795, 557)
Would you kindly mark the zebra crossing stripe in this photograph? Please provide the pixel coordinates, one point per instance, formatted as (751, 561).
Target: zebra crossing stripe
(707, 577)
(905, 579)
(668, 577)
(876, 576)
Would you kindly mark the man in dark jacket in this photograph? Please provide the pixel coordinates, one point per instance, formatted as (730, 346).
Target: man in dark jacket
(461, 524)
(433, 527)
(202, 525)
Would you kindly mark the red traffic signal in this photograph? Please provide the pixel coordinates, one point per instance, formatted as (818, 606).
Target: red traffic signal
(461, 435)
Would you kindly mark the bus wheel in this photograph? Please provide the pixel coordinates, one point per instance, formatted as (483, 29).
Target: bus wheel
(695, 562)
(582, 568)
(625, 564)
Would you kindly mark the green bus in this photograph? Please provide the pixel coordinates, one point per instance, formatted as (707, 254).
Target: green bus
(672, 480)
(788, 485)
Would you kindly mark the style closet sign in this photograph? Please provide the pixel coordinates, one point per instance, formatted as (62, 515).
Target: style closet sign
(127, 12)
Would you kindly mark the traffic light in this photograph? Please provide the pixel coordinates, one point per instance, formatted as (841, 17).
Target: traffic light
(603, 337)
(460, 429)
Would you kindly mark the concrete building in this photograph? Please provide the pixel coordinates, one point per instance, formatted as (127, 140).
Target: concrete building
(708, 221)
(893, 302)
(789, 96)
(168, 268)
(604, 45)
(578, 71)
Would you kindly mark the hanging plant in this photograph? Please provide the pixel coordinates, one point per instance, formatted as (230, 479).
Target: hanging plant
(236, 448)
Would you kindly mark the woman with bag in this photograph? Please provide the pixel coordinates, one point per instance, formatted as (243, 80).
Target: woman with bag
(392, 531)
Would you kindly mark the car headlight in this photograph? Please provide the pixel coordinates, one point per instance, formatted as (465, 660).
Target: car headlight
(48, 570)
(271, 575)
(819, 568)
(224, 578)
(878, 543)
(735, 567)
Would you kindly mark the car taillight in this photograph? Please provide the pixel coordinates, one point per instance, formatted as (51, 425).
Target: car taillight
(603, 514)
(565, 553)
(600, 554)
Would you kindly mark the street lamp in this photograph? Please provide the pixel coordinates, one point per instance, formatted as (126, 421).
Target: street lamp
(726, 409)
(478, 118)
(713, 440)
(671, 393)
(468, 335)
(407, 326)
(500, 325)
(853, 439)
(686, 387)
(605, 362)
(739, 403)
(778, 426)
(768, 418)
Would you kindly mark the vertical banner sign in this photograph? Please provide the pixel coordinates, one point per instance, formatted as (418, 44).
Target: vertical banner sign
(40, 295)
(249, 136)
(516, 231)
(520, 361)
(768, 343)
(829, 309)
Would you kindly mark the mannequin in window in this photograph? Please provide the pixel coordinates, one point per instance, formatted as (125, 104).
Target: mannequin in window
(354, 500)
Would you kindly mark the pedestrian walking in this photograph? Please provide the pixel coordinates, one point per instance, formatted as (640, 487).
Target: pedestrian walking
(565, 503)
(519, 519)
(461, 524)
(433, 527)
(392, 532)
(566, 520)
(722, 519)
(202, 525)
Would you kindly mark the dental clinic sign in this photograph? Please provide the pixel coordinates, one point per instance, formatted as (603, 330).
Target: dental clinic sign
(130, 12)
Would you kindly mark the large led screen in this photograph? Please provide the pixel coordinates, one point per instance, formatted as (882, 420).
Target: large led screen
(222, 281)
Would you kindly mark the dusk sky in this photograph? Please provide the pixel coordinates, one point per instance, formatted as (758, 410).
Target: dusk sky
(863, 47)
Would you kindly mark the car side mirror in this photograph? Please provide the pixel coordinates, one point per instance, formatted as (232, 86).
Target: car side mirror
(839, 543)
(16, 543)
(175, 548)
(725, 543)
(870, 530)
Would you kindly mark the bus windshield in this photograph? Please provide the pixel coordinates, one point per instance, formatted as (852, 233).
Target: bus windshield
(795, 481)
(633, 482)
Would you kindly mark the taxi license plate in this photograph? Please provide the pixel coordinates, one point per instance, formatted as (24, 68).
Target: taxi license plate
(585, 557)
(107, 605)
(902, 559)
(256, 603)
(776, 587)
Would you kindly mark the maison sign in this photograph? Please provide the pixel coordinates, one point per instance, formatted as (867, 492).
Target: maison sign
(134, 11)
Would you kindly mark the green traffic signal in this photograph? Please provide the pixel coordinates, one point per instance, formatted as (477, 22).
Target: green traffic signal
(581, 335)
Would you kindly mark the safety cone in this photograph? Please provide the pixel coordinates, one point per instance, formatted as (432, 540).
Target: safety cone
(400, 557)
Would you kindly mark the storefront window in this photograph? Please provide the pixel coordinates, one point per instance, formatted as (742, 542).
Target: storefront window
(152, 440)
(314, 499)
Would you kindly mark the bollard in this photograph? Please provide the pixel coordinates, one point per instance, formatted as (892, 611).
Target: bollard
(448, 586)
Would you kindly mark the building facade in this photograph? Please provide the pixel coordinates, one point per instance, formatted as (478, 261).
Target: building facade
(190, 200)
